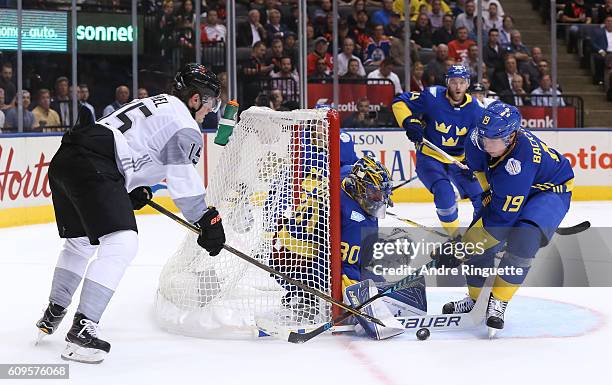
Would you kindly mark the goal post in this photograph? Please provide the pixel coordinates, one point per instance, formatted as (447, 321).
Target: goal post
(277, 188)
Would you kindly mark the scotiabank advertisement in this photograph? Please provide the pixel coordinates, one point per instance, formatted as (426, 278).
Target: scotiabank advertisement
(379, 96)
(24, 166)
(542, 117)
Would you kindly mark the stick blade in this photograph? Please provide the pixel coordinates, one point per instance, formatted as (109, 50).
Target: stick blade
(580, 227)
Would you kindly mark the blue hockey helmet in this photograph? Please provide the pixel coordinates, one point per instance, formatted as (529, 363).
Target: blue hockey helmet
(458, 71)
(498, 121)
(369, 183)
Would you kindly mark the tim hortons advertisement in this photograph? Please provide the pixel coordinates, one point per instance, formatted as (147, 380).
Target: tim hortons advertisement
(379, 95)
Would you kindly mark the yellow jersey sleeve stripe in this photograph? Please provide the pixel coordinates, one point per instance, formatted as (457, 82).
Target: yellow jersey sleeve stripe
(401, 112)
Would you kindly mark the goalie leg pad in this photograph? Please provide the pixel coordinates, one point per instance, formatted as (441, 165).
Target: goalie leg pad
(359, 293)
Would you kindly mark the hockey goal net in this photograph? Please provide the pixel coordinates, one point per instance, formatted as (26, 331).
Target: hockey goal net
(277, 188)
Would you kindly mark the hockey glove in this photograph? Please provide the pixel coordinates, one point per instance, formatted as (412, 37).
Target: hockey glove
(445, 255)
(414, 130)
(212, 237)
(140, 196)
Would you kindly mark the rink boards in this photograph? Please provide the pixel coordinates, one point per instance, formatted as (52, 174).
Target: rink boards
(25, 197)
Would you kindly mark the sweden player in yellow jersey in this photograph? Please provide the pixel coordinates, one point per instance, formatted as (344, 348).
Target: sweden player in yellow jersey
(528, 192)
(444, 116)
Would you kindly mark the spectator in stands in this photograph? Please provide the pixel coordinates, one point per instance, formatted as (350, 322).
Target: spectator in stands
(602, 45)
(543, 67)
(504, 33)
(422, 34)
(517, 48)
(3, 107)
(310, 38)
(6, 83)
(435, 72)
(446, 33)
(358, 5)
(275, 29)
(385, 71)
(276, 99)
(503, 80)
(360, 118)
(293, 20)
(378, 47)
(352, 72)
(361, 31)
(142, 93)
(435, 15)
(492, 19)
(167, 26)
(471, 62)
(84, 97)
(320, 52)
(122, 96)
(416, 79)
(10, 116)
(290, 46)
(542, 96)
(420, 6)
(467, 19)
(395, 28)
(486, 5)
(213, 30)
(61, 102)
(266, 11)
(603, 11)
(251, 31)
(516, 96)
(320, 13)
(321, 71)
(290, 79)
(493, 53)
(276, 54)
(487, 86)
(458, 48)
(575, 12)
(530, 69)
(254, 73)
(44, 116)
(383, 16)
(348, 47)
(186, 16)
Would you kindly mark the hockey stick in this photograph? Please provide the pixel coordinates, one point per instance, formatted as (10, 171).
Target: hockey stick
(580, 227)
(415, 224)
(444, 154)
(267, 268)
(404, 283)
(404, 183)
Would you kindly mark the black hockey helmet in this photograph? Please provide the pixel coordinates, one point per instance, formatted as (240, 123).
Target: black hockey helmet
(196, 78)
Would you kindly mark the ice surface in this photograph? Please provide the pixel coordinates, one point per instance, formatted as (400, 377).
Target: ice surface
(558, 335)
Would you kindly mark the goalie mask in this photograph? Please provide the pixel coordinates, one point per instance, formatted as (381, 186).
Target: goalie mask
(197, 79)
(369, 184)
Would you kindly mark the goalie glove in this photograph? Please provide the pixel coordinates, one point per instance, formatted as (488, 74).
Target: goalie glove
(445, 255)
(212, 237)
(140, 196)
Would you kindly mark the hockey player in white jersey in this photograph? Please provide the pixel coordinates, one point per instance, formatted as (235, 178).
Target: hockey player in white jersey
(90, 176)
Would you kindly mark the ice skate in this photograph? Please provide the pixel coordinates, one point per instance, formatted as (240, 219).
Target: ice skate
(457, 307)
(50, 320)
(83, 342)
(495, 315)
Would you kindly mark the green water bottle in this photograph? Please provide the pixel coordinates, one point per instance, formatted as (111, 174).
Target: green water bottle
(227, 123)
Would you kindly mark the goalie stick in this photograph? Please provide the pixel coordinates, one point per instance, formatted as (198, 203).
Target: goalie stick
(267, 268)
(404, 183)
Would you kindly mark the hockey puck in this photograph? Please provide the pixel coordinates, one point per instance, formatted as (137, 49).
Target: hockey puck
(423, 334)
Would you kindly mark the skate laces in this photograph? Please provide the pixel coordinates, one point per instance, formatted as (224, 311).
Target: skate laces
(497, 307)
(90, 327)
(465, 305)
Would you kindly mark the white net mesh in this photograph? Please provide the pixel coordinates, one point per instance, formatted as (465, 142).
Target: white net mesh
(271, 187)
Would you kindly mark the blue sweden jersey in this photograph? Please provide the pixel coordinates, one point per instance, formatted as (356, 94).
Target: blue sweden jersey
(355, 224)
(528, 169)
(447, 126)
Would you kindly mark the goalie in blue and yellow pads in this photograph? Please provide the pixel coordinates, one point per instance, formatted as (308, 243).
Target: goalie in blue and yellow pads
(528, 189)
(365, 196)
(444, 116)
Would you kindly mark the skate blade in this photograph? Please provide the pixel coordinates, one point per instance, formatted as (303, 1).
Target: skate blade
(78, 353)
(40, 335)
(492, 332)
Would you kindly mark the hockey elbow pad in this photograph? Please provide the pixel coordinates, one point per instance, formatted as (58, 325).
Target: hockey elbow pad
(212, 237)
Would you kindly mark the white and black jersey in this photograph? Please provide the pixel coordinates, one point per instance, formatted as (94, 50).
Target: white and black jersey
(157, 138)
